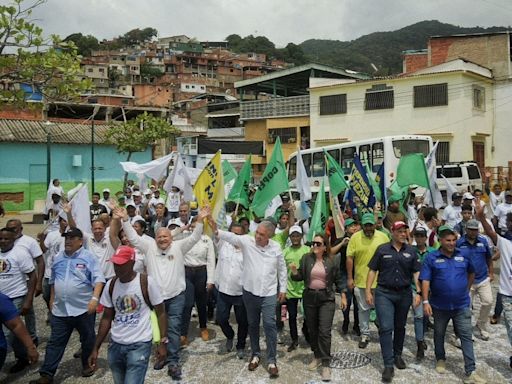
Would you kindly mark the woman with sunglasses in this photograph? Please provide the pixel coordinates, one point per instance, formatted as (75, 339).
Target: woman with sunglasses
(320, 272)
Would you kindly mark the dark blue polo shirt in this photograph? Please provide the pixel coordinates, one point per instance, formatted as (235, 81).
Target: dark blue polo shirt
(448, 278)
(479, 254)
(396, 268)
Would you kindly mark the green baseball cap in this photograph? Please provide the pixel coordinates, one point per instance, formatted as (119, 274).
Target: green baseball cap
(349, 222)
(394, 198)
(445, 230)
(368, 218)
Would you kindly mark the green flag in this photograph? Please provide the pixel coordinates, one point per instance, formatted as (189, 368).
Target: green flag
(240, 191)
(337, 182)
(228, 171)
(320, 214)
(273, 181)
(373, 183)
(412, 171)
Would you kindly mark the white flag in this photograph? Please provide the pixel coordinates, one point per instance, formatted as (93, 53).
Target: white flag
(275, 203)
(450, 189)
(179, 178)
(430, 163)
(302, 181)
(154, 169)
(80, 209)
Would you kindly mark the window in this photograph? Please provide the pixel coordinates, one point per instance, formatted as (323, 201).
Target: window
(449, 171)
(379, 96)
(89, 70)
(406, 147)
(335, 153)
(473, 172)
(364, 154)
(443, 152)
(318, 164)
(479, 98)
(292, 168)
(347, 158)
(101, 70)
(306, 159)
(430, 95)
(333, 105)
(377, 156)
(287, 135)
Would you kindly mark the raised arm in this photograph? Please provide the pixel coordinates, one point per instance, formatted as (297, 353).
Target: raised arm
(139, 242)
(480, 215)
(113, 233)
(187, 244)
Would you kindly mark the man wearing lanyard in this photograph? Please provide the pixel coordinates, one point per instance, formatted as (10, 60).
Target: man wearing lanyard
(397, 265)
(448, 275)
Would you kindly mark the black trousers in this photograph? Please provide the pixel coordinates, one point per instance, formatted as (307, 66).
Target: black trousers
(319, 309)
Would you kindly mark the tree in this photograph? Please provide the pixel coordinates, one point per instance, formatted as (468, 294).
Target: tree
(137, 35)
(137, 134)
(34, 65)
(84, 44)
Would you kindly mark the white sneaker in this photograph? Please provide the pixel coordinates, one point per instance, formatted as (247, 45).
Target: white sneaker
(326, 374)
(484, 335)
(473, 378)
(315, 363)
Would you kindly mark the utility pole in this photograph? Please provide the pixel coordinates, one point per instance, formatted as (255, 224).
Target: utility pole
(95, 111)
(48, 152)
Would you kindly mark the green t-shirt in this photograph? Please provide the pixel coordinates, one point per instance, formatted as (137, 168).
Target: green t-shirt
(362, 249)
(293, 256)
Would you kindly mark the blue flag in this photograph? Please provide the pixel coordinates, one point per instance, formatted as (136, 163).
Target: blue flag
(381, 181)
(360, 185)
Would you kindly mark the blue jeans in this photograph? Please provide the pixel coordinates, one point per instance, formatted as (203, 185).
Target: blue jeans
(419, 323)
(224, 304)
(3, 354)
(461, 319)
(174, 309)
(195, 293)
(129, 363)
(62, 327)
(20, 352)
(507, 314)
(265, 307)
(392, 308)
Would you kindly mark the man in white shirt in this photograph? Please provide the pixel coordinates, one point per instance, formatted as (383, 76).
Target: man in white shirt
(262, 269)
(36, 253)
(228, 281)
(500, 213)
(164, 261)
(15, 266)
(99, 244)
(128, 300)
(174, 201)
(452, 214)
(107, 201)
(504, 244)
(496, 196)
(52, 210)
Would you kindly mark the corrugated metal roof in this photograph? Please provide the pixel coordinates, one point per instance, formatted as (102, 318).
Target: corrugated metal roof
(33, 131)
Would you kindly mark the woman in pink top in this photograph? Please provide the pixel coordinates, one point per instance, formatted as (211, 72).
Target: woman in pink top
(321, 273)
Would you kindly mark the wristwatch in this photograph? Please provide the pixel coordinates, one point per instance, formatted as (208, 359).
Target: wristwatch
(164, 340)
(418, 293)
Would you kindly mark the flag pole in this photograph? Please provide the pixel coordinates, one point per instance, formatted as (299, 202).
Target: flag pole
(287, 173)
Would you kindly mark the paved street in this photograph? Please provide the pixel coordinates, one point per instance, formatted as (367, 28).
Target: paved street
(203, 362)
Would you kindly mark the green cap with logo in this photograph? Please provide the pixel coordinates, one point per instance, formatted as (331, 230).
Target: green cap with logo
(368, 218)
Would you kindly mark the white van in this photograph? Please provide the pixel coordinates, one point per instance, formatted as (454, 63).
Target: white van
(463, 176)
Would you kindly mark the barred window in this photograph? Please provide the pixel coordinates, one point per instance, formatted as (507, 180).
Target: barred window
(333, 104)
(443, 152)
(479, 98)
(379, 96)
(287, 135)
(430, 95)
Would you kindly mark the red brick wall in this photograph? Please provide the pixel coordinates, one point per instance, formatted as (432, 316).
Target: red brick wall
(415, 62)
(439, 49)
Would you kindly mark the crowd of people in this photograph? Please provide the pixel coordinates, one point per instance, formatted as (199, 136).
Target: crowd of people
(148, 263)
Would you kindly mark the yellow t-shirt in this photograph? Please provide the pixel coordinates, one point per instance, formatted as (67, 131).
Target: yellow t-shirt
(362, 249)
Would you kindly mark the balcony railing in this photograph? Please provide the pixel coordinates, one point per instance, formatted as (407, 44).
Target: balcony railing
(281, 107)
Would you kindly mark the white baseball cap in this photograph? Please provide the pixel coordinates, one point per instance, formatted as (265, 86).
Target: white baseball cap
(468, 196)
(295, 228)
(106, 190)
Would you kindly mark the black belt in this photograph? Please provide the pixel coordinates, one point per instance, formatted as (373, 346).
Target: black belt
(195, 268)
(396, 289)
(316, 290)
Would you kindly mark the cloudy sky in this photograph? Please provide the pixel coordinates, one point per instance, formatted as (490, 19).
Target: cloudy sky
(282, 21)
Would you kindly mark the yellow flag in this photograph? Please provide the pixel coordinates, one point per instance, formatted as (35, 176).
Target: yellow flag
(209, 188)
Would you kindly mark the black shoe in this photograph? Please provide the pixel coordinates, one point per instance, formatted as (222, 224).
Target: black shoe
(174, 372)
(229, 345)
(399, 362)
(425, 346)
(44, 379)
(159, 364)
(78, 354)
(420, 354)
(344, 327)
(293, 346)
(20, 365)
(357, 331)
(363, 343)
(387, 375)
(510, 361)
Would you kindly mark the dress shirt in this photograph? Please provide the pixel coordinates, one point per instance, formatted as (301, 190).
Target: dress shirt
(228, 273)
(263, 266)
(201, 254)
(165, 266)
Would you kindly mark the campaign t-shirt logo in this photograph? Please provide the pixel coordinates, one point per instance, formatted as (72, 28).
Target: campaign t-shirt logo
(127, 304)
(5, 265)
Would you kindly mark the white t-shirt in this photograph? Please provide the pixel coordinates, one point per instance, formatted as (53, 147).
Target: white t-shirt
(30, 244)
(452, 215)
(14, 265)
(501, 213)
(54, 242)
(505, 248)
(103, 250)
(173, 201)
(132, 323)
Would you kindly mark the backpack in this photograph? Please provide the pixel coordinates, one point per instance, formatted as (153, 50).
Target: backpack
(143, 287)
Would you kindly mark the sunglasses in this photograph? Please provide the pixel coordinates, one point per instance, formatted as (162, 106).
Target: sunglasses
(317, 244)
